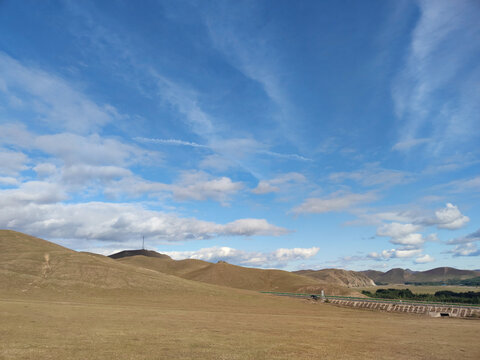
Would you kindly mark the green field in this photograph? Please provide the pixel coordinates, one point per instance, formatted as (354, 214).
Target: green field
(422, 289)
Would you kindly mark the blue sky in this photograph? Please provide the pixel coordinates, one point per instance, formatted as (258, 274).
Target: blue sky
(264, 133)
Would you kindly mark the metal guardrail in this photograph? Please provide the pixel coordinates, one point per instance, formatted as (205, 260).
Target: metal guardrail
(382, 300)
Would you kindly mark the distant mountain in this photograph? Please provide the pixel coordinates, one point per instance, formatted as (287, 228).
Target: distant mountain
(400, 276)
(225, 274)
(339, 277)
(148, 253)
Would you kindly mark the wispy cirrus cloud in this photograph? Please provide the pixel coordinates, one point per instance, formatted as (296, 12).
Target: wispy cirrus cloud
(279, 182)
(338, 201)
(55, 101)
(436, 95)
(373, 175)
(176, 142)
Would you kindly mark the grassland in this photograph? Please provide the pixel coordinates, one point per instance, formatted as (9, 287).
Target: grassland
(239, 277)
(56, 303)
(259, 327)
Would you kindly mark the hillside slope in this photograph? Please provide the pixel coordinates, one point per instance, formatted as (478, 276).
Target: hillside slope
(339, 277)
(30, 265)
(229, 275)
(400, 276)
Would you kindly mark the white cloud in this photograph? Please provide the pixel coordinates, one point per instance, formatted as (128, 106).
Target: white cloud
(250, 227)
(73, 149)
(410, 143)
(217, 162)
(464, 185)
(34, 209)
(8, 180)
(424, 259)
(465, 249)
(175, 142)
(31, 192)
(336, 202)
(12, 162)
(198, 185)
(57, 102)
(83, 174)
(470, 238)
(277, 258)
(449, 218)
(45, 169)
(285, 156)
(402, 234)
(394, 254)
(275, 184)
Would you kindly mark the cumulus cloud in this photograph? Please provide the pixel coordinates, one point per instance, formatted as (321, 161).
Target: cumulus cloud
(394, 254)
(465, 249)
(31, 192)
(424, 259)
(450, 218)
(8, 181)
(465, 245)
(277, 258)
(336, 202)
(36, 210)
(402, 234)
(82, 174)
(275, 184)
(198, 185)
(45, 169)
(12, 162)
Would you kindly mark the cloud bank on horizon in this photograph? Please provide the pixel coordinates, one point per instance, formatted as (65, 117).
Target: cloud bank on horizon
(259, 132)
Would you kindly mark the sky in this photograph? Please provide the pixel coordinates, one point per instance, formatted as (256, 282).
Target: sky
(271, 134)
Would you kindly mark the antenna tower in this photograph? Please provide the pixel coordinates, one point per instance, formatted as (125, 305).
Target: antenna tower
(143, 242)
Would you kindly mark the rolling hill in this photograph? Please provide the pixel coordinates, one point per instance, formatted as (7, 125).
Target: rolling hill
(229, 275)
(400, 276)
(32, 266)
(339, 277)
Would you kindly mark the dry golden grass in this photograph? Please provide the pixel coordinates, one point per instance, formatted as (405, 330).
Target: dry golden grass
(338, 276)
(258, 328)
(237, 276)
(109, 310)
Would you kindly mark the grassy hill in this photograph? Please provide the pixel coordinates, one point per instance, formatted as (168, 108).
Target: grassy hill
(56, 303)
(29, 265)
(339, 277)
(229, 275)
